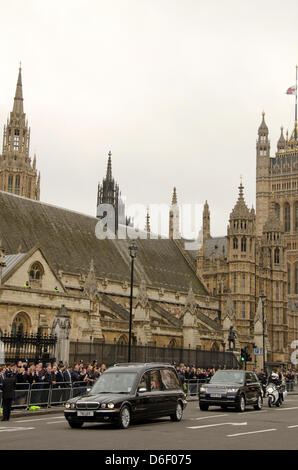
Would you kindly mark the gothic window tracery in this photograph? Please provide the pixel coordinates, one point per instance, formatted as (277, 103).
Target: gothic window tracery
(36, 272)
(287, 212)
(243, 244)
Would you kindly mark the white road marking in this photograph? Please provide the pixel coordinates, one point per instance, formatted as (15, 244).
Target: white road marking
(208, 417)
(55, 422)
(251, 432)
(14, 429)
(296, 426)
(37, 419)
(285, 409)
(218, 424)
(250, 412)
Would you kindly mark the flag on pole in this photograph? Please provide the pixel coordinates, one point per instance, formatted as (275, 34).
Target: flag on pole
(291, 90)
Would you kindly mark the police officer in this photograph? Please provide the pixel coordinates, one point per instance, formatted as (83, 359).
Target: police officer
(8, 388)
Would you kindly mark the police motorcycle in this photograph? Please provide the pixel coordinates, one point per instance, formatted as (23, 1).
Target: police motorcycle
(275, 391)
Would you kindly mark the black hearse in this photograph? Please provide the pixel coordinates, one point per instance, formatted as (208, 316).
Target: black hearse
(127, 392)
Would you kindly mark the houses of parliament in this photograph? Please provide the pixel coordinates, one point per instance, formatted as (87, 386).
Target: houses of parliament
(186, 299)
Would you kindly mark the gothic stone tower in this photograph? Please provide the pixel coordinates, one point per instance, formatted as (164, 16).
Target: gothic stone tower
(17, 174)
(277, 180)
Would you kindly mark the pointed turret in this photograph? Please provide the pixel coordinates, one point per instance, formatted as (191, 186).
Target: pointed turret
(109, 167)
(281, 144)
(263, 170)
(18, 99)
(174, 218)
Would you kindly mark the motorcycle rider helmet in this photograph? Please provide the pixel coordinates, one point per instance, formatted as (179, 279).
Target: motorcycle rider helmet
(274, 375)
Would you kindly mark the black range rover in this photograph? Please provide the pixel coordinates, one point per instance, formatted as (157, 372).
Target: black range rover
(231, 388)
(127, 392)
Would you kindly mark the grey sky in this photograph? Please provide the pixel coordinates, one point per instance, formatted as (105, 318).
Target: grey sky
(175, 89)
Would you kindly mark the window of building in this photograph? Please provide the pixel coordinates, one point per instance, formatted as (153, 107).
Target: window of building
(296, 216)
(277, 210)
(29, 189)
(296, 278)
(17, 184)
(276, 256)
(277, 315)
(235, 283)
(36, 272)
(243, 309)
(10, 183)
(243, 244)
(287, 211)
(243, 283)
(277, 342)
(16, 139)
(235, 243)
(20, 324)
(289, 279)
(277, 291)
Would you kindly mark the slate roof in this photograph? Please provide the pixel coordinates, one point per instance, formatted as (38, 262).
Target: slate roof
(68, 241)
(217, 245)
(11, 261)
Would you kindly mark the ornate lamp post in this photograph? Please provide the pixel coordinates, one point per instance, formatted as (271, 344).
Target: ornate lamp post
(133, 254)
(263, 298)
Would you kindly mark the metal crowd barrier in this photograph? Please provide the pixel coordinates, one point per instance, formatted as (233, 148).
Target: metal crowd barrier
(42, 394)
(192, 386)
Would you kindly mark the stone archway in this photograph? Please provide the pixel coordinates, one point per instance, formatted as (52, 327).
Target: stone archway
(21, 323)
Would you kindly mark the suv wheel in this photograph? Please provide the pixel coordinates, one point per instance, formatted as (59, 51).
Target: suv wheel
(75, 424)
(125, 417)
(259, 404)
(241, 404)
(177, 416)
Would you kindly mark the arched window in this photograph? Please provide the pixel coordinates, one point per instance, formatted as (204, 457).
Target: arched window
(277, 210)
(21, 324)
(10, 183)
(17, 185)
(296, 216)
(276, 256)
(296, 278)
(235, 243)
(287, 211)
(289, 278)
(172, 343)
(243, 244)
(235, 283)
(36, 272)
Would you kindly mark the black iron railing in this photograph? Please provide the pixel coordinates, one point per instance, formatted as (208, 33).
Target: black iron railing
(33, 346)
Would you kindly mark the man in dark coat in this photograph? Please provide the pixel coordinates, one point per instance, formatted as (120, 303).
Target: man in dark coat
(8, 389)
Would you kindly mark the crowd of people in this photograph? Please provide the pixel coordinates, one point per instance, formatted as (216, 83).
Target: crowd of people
(55, 375)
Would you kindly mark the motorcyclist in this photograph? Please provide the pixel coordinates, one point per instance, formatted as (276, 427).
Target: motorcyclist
(277, 381)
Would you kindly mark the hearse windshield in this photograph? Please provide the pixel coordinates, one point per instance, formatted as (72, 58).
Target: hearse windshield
(114, 382)
(227, 377)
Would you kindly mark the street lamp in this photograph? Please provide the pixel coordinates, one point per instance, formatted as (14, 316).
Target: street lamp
(133, 254)
(263, 298)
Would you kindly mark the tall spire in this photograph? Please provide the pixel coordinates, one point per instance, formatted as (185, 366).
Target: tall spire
(174, 197)
(18, 99)
(147, 228)
(109, 168)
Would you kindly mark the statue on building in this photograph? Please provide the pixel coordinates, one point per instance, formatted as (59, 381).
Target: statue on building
(231, 338)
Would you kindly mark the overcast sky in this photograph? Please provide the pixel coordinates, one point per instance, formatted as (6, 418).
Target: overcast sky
(174, 88)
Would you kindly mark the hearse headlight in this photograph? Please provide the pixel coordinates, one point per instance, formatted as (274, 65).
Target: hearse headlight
(232, 390)
(203, 389)
(111, 406)
(103, 405)
(67, 406)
